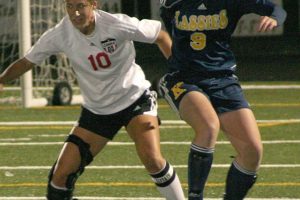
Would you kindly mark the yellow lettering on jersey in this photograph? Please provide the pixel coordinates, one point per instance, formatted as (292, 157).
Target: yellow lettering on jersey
(177, 90)
(223, 19)
(193, 25)
(208, 22)
(177, 13)
(202, 22)
(215, 22)
(184, 24)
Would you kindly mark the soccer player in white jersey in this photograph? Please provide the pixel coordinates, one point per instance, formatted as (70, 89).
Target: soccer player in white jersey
(115, 92)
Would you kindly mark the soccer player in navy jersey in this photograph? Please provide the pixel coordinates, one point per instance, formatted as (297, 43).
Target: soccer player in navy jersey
(202, 88)
(116, 93)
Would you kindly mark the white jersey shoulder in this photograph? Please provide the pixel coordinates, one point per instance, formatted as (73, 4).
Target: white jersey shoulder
(51, 42)
(130, 28)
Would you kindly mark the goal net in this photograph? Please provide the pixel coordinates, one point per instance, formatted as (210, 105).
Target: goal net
(53, 81)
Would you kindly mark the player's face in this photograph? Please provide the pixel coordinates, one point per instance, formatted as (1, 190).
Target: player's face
(81, 14)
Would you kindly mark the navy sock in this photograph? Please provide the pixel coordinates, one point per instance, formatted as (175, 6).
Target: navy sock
(238, 182)
(199, 165)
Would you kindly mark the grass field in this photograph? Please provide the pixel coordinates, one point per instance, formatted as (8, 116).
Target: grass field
(28, 150)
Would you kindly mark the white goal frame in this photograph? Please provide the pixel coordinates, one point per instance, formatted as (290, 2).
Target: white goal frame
(25, 45)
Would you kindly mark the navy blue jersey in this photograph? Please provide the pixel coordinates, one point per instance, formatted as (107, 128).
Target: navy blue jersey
(201, 31)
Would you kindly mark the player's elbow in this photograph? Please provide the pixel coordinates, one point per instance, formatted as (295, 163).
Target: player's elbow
(163, 38)
(164, 43)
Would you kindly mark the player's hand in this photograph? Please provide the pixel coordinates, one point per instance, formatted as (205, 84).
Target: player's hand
(266, 24)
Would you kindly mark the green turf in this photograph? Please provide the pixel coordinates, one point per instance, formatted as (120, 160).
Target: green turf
(266, 104)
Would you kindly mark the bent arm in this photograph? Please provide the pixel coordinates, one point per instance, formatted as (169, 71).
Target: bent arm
(272, 15)
(279, 14)
(16, 69)
(164, 43)
(277, 18)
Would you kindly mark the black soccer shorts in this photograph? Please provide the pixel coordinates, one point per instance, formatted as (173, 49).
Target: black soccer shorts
(109, 125)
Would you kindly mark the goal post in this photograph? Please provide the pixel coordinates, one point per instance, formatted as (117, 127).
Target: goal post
(24, 45)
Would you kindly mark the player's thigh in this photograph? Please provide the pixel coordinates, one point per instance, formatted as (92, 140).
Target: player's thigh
(96, 141)
(144, 131)
(191, 104)
(241, 129)
(142, 123)
(196, 109)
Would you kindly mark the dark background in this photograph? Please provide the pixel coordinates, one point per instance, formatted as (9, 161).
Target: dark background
(259, 58)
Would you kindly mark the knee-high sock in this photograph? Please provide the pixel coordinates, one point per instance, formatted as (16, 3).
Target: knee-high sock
(199, 165)
(168, 183)
(238, 182)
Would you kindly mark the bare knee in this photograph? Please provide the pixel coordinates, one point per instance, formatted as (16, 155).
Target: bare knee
(251, 156)
(206, 134)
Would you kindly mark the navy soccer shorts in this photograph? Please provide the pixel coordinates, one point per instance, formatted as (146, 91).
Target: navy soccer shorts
(224, 92)
(108, 125)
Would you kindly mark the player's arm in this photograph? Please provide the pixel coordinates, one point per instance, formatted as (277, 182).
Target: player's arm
(15, 70)
(272, 15)
(277, 18)
(278, 14)
(164, 43)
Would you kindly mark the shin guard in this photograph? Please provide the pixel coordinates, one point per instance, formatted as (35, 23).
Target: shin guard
(199, 165)
(238, 182)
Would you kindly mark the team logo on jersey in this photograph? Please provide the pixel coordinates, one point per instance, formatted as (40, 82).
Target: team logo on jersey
(109, 45)
(202, 7)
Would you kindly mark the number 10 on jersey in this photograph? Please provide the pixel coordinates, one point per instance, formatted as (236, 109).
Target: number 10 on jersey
(101, 60)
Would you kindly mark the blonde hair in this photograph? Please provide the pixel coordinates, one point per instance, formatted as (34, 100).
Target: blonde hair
(93, 1)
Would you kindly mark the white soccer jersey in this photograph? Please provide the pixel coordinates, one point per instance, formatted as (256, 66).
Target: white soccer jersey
(104, 62)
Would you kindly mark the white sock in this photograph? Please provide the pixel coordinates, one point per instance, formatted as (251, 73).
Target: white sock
(168, 183)
(173, 191)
